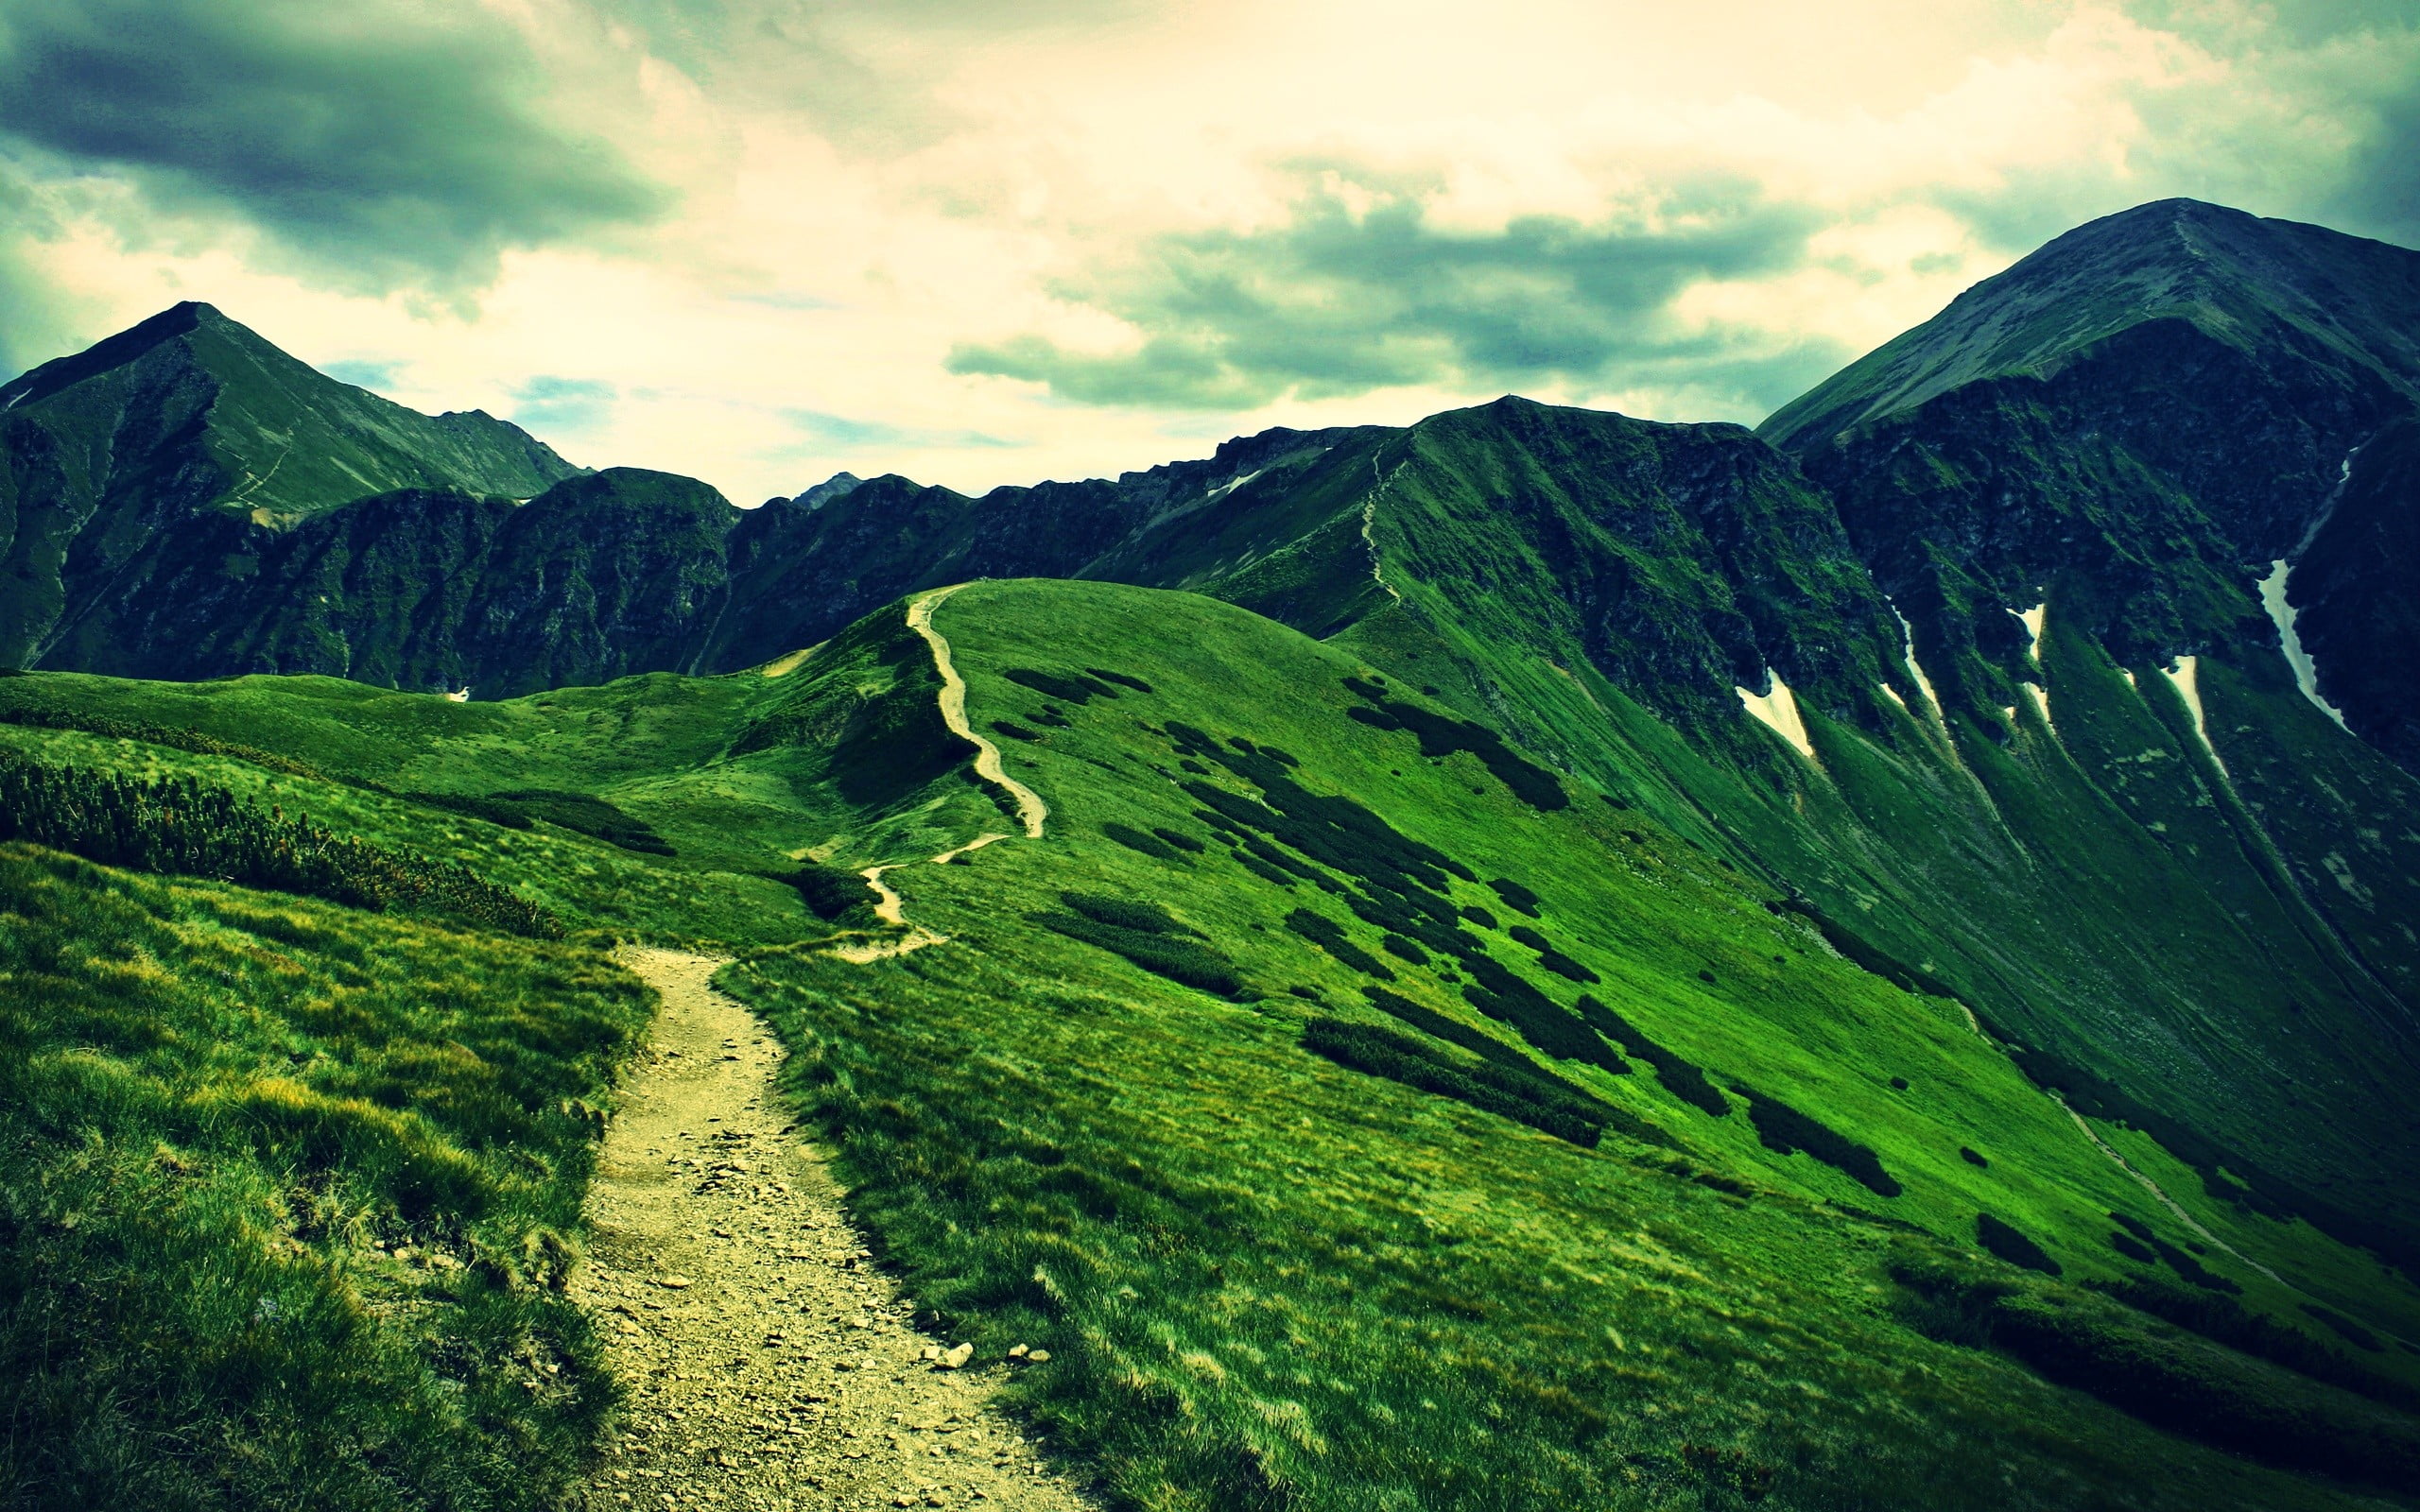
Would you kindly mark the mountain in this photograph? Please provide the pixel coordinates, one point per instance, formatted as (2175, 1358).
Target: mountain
(1917, 671)
(2141, 419)
(183, 422)
(599, 576)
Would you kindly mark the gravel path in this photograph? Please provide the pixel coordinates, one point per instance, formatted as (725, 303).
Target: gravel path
(769, 1364)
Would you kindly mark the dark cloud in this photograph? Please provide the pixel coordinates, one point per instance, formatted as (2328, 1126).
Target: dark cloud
(2379, 193)
(393, 149)
(1360, 291)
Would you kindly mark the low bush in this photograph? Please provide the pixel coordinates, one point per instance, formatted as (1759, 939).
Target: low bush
(2345, 1328)
(1442, 735)
(1119, 677)
(181, 825)
(1564, 966)
(1786, 1130)
(1126, 913)
(2133, 1249)
(2004, 1240)
(1174, 956)
(1492, 1089)
(2178, 1381)
(2229, 1322)
(1148, 843)
(1972, 1157)
(1263, 869)
(587, 814)
(1516, 895)
(1403, 950)
(1179, 839)
(830, 892)
(1508, 998)
(1681, 1076)
(1074, 688)
(1012, 730)
(1330, 936)
(2182, 1262)
(1278, 858)
(505, 815)
(111, 728)
(1478, 916)
(1453, 1031)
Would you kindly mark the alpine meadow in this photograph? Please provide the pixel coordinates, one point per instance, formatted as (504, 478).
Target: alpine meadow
(1528, 959)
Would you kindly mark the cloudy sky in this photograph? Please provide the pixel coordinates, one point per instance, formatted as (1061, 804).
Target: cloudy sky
(988, 241)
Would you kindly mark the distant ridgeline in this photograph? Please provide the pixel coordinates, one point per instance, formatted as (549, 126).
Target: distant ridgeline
(2059, 656)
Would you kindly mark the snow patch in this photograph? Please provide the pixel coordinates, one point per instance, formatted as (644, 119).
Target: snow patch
(1230, 486)
(1908, 654)
(1778, 711)
(2186, 677)
(458, 695)
(2041, 697)
(2034, 618)
(1893, 694)
(2272, 598)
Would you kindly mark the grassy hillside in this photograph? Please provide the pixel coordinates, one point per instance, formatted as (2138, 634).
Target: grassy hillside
(1363, 1114)
(286, 1194)
(1268, 1273)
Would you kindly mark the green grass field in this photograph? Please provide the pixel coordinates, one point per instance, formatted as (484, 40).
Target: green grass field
(286, 1194)
(1267, 1277)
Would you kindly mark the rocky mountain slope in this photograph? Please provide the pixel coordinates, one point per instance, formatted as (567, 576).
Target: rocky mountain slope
(2142, 417)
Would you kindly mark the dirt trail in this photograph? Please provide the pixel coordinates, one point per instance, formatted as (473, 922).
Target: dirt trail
(770, 1366)
(1031, 811)
(989, 765)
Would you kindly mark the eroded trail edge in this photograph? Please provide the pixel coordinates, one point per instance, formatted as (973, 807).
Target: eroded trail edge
(769, 1365)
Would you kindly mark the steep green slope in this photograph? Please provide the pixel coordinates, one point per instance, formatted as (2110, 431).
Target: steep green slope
(285, 1190)
(1281, 1236)
(1609, 593)
(190, 413)
(1623, 1186)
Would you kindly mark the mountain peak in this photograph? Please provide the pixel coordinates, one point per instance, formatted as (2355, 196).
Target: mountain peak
(2243, 280)
(110, 353)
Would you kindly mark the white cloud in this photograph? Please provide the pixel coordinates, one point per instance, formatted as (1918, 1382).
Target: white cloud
(861, 190)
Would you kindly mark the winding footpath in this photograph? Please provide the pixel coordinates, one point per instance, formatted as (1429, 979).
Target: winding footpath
(771, 1368)
(989, 765)
(1031, 811)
